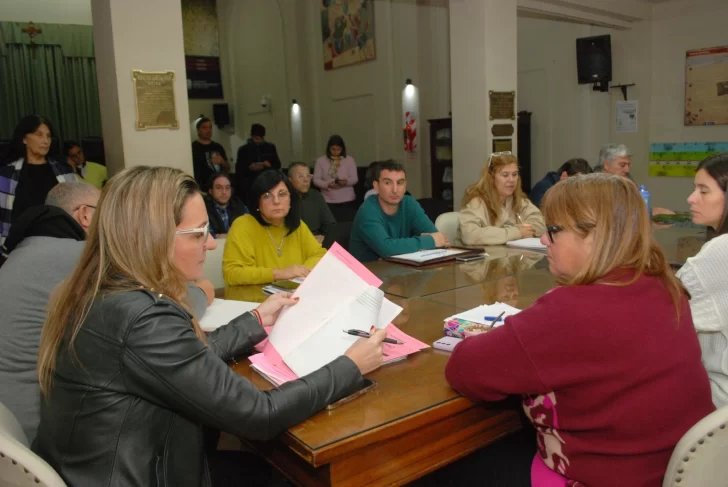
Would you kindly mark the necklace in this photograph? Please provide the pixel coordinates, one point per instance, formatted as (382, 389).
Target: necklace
(279, 247)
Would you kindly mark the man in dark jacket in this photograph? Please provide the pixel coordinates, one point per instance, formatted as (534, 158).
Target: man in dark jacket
(572, 167)
(255, 156)
(222, 207)
(208, 156)
(43, 247)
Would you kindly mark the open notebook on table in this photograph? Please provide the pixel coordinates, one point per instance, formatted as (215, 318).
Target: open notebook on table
(532, 243)
(434, 256)
(339, 294)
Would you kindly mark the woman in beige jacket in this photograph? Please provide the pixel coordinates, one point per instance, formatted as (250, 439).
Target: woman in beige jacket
(495, 210)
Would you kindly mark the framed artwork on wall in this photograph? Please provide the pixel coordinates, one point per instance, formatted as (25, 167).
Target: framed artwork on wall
(202, 49)
(347, 32)
(706, 86)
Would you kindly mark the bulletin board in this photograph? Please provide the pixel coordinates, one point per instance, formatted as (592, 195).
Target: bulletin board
(680, 159)
(706, 86)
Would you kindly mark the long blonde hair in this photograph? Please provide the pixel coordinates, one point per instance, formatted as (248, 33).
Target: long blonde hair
(612, 209)
(486, 191)
(130, 245)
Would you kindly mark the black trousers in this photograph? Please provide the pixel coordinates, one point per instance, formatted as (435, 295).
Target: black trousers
(505, 463)
(229, 468)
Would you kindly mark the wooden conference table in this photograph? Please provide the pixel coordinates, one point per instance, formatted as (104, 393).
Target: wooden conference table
(414, 423)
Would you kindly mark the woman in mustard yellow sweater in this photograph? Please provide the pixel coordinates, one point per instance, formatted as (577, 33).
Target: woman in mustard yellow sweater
(272, 242)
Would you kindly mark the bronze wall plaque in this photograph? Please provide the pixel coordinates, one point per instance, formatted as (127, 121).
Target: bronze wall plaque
(502, 105)
(154, 96)
(502, 130)
(502, 145)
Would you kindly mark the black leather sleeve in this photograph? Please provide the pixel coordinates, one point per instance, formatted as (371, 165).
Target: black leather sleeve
(237, 338)
(165, 363)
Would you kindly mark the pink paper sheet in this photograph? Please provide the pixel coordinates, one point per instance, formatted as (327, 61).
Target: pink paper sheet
(355, 265)
(277, 370)
(273, 365)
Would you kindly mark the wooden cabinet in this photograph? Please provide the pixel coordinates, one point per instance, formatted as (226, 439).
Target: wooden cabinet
(524, 149)
(441, 170)
(441, 159)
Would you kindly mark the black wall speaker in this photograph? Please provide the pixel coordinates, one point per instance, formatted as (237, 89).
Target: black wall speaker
(221, 114)
(594, 61)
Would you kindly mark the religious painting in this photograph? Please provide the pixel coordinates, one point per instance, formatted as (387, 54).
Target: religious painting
(202, 49)
(347, 31)
(199, 28)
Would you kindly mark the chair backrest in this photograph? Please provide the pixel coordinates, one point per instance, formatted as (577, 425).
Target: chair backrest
(448, 224)
(699, 458)
(212, 268)
(19, 466)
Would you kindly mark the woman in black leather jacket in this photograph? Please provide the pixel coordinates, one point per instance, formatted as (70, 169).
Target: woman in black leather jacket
(128, 376)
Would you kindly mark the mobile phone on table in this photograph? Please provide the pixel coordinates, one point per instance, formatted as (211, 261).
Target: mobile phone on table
(468, 258)
(286, 285)
(370, 385)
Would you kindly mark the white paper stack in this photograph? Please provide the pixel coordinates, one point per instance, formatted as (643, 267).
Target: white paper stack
(222, 311)
(532, 243)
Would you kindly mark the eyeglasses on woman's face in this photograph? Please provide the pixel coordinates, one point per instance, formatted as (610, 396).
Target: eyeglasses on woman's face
(281, 195)
(553, 230)
(204, 232)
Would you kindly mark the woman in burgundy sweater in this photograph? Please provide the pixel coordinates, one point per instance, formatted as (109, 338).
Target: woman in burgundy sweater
(608, 363)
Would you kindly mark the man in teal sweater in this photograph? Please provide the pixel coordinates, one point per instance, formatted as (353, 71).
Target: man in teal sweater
(392, 223)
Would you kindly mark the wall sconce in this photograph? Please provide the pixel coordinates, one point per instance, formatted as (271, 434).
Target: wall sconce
(409, 88)
(410, 110)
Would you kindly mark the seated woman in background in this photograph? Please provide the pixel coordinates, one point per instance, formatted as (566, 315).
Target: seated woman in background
(608, 363)
(128, 376)
(495, 210)
(335, 175)
(706, 275)
(223, 208)
(272, 242)
(33, 167)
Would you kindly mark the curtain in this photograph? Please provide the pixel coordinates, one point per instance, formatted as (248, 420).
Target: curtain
(55, 78)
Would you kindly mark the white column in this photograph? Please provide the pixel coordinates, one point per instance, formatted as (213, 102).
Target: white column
(483, 57)
(139, 34)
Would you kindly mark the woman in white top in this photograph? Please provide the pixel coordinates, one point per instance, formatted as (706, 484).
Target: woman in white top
(495, 210)
(706, 275)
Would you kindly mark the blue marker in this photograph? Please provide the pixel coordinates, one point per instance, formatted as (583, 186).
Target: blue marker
(492, 318)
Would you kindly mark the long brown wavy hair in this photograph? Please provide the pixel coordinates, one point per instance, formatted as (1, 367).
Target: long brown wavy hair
(130, 245)
(485, 187)
(612, 209)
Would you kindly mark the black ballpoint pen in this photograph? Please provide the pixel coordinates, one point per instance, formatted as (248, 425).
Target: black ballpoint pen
(364, 334)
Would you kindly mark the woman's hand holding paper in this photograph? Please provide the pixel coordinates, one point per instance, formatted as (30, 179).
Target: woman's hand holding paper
(271, 307)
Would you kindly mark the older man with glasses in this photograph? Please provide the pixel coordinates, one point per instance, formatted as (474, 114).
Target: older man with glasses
(314, 210)
(42, 250)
